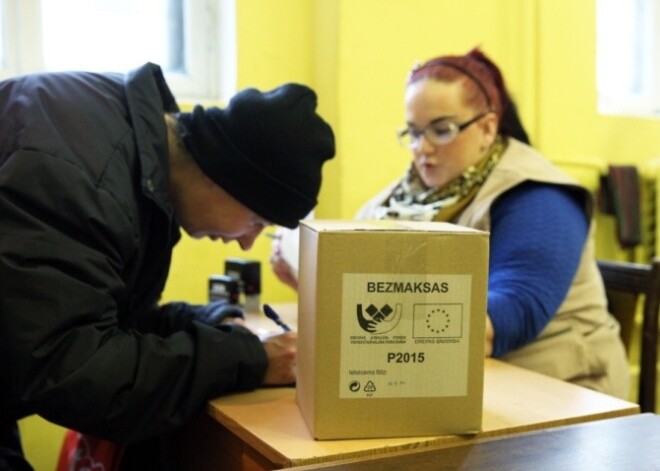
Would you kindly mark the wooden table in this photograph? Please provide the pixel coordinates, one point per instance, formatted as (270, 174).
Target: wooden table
(264, 429)
(619, 444)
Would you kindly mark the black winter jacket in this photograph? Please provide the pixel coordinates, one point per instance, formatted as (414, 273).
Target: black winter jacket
(86, 235)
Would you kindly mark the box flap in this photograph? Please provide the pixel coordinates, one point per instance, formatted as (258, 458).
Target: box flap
(387, 225)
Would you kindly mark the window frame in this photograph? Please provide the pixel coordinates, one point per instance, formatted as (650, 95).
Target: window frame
(210, 68)
(646, 101)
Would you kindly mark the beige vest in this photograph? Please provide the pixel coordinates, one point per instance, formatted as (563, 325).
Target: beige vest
(581, 343)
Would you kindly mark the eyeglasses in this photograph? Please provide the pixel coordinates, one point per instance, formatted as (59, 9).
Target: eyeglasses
(437, 132)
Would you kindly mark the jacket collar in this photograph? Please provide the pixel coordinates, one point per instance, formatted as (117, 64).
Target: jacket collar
(149, 98)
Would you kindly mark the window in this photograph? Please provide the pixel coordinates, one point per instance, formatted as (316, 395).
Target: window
(182, 36)
(112, 35)
(628, 57)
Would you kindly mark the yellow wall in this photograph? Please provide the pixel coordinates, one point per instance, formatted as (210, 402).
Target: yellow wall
(356, 54)
(42, 442)
(570, 127)
(379, 41)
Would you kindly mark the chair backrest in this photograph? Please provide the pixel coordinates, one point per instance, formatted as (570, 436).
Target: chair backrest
(625, 283)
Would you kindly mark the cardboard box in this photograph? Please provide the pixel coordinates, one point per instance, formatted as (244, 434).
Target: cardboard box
(391, 319)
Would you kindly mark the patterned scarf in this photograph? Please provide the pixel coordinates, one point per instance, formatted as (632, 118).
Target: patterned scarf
(412, 200)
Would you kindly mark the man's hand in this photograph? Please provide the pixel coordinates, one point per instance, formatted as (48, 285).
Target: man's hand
(281, 350)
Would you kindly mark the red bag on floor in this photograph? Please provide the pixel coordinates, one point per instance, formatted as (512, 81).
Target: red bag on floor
(81, 452)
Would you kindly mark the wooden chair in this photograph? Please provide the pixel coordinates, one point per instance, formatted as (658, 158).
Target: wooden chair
(625, 282)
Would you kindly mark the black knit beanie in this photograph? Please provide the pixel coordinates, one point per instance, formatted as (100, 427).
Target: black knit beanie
(266, 149)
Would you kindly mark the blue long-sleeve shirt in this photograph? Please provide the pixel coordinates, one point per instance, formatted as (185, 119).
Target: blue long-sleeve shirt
(538, 232)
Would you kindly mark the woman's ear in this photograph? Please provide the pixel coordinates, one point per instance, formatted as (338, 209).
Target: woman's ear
(489, 125)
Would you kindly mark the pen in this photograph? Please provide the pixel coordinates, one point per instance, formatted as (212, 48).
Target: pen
(275, 317)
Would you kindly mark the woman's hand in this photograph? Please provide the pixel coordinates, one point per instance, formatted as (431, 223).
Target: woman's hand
(490, 336)
(281, 268)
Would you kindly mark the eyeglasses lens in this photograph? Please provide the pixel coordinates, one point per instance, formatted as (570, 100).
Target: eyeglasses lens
(437, 136)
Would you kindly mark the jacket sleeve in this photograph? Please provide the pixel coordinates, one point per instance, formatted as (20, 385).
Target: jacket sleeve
(171, 317)
(64, 240)
(532, 266)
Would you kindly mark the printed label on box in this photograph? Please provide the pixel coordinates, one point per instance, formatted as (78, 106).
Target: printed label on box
(404, 335)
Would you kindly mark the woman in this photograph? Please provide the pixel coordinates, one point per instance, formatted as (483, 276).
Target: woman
(472, 165)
